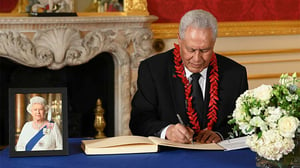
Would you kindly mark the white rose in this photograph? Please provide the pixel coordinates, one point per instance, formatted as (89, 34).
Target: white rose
(287, 126)
(240, 115)
(257, 121)
(273, 115)
(275, 111)
(246, 128)
(263, 92)
(256, 111)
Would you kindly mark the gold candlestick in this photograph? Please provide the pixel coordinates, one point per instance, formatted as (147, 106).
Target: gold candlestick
(99, 123)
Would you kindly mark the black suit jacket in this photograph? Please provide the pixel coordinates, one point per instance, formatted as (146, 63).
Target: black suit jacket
(160, 95)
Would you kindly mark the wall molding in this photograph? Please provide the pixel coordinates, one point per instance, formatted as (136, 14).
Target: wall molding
(234, 29)
(267, 53)
(260, 52)
(266, 76)
(269, 62)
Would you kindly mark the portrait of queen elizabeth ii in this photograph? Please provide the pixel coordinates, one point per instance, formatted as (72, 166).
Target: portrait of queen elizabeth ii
(39, 134)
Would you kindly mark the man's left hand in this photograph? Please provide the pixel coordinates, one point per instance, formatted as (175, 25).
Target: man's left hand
(207, 136)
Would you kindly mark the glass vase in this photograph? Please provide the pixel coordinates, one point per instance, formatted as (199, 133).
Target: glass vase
(292, 160)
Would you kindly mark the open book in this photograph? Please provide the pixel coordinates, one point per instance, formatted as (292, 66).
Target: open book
(137, 144)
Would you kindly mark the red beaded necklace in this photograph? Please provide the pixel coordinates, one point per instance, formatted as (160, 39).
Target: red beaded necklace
(213, 91)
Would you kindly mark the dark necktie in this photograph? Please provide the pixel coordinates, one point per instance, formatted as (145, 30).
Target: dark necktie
(197, 99)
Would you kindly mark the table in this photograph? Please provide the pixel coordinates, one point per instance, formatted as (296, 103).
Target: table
(175, 158)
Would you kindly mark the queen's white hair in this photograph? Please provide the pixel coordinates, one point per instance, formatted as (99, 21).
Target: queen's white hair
(37, 100)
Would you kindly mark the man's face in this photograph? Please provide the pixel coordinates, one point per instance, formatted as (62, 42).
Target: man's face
(196, 48)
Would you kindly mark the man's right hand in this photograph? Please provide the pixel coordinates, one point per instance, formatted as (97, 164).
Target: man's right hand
(179, 133)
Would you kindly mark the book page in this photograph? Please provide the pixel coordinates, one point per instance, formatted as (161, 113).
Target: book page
(234, 144)
(117, 141)
(196, 145)
(119, 145)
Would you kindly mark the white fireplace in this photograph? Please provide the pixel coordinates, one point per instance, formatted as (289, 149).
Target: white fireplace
(55, 42)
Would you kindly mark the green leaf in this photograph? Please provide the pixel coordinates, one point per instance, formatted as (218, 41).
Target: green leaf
(259, 134)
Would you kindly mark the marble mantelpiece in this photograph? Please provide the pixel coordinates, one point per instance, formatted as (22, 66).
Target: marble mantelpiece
(55, 42)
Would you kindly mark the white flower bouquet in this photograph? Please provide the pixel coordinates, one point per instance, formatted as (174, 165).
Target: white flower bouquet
(269, 115)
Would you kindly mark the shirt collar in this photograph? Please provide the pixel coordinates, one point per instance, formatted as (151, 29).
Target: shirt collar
(189, 73)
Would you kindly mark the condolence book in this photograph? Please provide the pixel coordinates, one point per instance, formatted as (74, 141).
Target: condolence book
(137, 144)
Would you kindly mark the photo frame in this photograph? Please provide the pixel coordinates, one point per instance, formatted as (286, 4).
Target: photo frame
(38, 122)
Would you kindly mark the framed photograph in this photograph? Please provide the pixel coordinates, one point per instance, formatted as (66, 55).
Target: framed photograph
(38, 122)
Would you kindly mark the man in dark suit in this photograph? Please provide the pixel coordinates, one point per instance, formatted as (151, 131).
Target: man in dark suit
(165, 103)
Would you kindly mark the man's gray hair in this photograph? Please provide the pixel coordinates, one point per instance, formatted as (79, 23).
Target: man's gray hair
(198, 19)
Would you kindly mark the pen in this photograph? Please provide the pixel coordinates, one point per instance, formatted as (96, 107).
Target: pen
(181, 122)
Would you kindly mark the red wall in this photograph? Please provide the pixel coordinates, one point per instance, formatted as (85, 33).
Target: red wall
(7, 5)
(227, 10)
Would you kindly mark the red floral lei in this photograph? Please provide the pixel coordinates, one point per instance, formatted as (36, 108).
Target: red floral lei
(213, 79)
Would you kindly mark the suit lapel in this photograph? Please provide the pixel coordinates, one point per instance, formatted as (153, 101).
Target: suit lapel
(177, 92)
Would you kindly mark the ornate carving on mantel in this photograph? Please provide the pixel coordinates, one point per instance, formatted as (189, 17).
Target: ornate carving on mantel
(56, 48)
(142, 45)
(18, 47)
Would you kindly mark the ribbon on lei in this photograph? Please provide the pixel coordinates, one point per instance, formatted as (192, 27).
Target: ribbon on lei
(213, 91)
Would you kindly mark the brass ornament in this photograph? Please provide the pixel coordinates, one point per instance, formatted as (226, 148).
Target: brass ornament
(99, 123)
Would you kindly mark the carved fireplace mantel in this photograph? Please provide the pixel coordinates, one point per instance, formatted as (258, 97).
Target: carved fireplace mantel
(55, 42)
